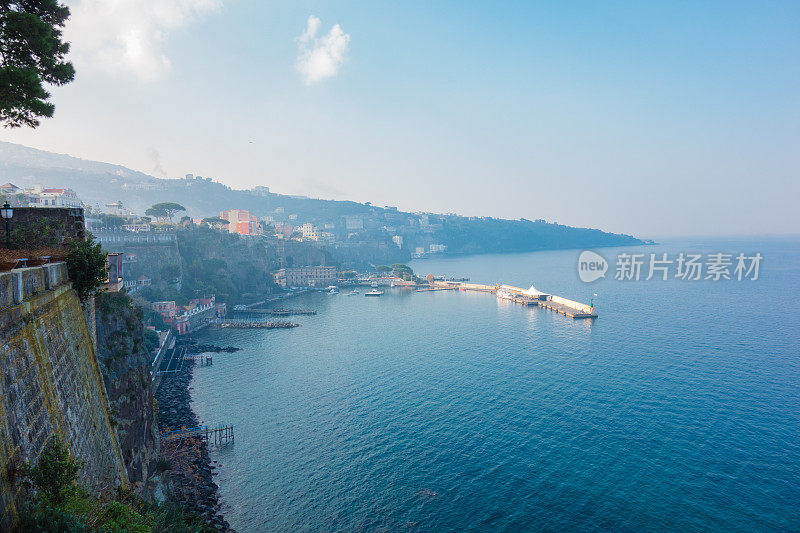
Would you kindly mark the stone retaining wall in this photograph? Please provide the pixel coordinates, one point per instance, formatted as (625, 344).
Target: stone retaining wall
(50, 384)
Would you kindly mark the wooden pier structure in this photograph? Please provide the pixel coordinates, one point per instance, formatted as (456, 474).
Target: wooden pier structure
(563, 306)
(202, 359)
(217, 436)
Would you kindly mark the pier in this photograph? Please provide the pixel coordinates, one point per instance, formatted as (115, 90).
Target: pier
(278, 311)
(563, 306)
(254, 324)
(217, 436)
(202, 359)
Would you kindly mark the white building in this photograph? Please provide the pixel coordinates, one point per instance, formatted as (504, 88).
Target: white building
(310, 231)
(38, 196)
(398, 240)
(116, 208)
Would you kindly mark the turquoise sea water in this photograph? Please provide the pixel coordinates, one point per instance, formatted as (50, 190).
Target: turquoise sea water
(678, 409)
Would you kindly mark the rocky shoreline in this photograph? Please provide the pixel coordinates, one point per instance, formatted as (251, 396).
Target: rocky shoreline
(190, 468)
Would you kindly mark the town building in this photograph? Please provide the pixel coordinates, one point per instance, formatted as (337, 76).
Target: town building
(310, 231)
(398, 240)
(185, 319)
(310, 276)
(133, 285)
(241, 222)
(38, 196)
(283, 230)
(9, 189)
(114, 267)
(165, 309)
(116, 208)
(54, 198)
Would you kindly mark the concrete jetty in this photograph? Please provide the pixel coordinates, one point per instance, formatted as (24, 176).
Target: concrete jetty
(564, 306)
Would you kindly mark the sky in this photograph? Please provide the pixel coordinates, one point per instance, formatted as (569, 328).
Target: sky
(646, 118)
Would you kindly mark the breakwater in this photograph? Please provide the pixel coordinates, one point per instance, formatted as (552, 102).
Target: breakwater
(255, 324)
(50, 384)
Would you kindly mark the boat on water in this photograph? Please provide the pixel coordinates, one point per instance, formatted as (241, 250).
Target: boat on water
(333, 290)
(353, 292)
(374, 292)
(503, 294)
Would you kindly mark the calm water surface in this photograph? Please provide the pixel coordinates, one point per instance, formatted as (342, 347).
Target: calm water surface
(677, 409)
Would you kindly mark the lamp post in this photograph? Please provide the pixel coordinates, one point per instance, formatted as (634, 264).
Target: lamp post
(7, 212)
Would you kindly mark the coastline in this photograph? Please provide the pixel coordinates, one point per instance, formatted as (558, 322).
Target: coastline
(191, 470)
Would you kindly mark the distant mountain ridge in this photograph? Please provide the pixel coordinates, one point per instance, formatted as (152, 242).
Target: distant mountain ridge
(99, 183)
(16, 154)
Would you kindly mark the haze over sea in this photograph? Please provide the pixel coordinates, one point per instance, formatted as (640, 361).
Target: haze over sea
(678, 408)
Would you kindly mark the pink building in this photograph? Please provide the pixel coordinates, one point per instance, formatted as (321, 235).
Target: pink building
(241, 222)
(165, 309)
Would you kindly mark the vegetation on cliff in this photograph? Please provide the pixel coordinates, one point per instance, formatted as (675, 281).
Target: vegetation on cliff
(59, 504)
(231, 267)
(86, 263)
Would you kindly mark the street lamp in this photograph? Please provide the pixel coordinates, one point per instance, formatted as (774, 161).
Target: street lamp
(7, 212)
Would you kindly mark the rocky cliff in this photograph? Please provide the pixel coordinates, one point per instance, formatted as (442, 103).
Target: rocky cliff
(125, 366)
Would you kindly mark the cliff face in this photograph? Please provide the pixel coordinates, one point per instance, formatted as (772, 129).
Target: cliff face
(231, 267)
(125, 366)
(50, 384)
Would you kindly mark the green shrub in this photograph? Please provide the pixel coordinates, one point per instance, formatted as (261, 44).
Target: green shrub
(55, 474)
(86, 263)
(44, 518)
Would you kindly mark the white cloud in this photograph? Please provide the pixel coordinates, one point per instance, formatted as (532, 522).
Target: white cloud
(129, 35)
(320, 58)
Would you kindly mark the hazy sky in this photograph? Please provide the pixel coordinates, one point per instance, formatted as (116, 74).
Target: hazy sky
(651, 118)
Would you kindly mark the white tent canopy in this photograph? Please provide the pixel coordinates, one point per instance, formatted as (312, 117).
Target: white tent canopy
(533, 291)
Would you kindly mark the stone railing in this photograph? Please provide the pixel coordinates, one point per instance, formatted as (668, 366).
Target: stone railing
(21, 284)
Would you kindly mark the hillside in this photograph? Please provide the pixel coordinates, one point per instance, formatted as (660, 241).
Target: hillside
(100, 183)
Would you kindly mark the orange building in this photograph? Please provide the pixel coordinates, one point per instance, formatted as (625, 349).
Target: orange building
(241, 222)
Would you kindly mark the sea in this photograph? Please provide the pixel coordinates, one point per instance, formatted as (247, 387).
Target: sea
(677, 409)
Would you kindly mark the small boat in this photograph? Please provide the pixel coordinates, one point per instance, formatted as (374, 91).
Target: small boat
(503, 294)
(353, 292)
(333, 291)
(374, 292)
